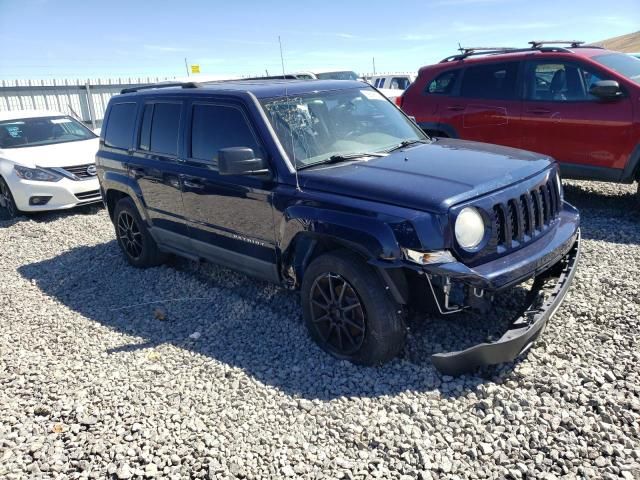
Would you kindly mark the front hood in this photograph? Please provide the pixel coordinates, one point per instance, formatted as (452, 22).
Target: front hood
(428, 177)
(66, 154)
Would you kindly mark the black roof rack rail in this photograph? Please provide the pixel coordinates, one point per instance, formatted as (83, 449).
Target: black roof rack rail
(541, 43)
(471, 52)
(161, 85)
(288, 76)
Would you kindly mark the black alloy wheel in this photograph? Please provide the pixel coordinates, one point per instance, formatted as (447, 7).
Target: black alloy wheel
(130, 235)
(348, 310)
(337, 314)
(134, 239)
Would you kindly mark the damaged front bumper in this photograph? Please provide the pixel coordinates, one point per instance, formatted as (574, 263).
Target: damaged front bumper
(550, 287)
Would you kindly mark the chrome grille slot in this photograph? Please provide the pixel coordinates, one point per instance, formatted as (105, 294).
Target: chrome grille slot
(91, 194)
(80, 171)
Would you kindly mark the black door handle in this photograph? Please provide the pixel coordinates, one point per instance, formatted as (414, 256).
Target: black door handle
(193, 184)
(539, 111)
(456, 108)
(137, 172)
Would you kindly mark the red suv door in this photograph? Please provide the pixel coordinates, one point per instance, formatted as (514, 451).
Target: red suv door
(488, 105)
(561, 119)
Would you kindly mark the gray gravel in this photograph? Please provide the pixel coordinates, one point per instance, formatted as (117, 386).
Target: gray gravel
(194, 371)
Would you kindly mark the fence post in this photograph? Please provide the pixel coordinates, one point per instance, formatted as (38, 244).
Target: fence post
(92, 111)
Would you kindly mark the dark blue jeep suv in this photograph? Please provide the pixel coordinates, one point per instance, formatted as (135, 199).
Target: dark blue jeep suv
(328, 188)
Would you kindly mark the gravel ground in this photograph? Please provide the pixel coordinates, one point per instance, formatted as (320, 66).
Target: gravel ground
(194, 371)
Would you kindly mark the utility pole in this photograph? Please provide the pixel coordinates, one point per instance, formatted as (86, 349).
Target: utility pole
(374, 65)
(186, 65)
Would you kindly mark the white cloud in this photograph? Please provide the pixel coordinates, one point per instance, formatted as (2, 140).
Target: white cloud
(501, 27)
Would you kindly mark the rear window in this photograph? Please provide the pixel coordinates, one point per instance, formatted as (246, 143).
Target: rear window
(165, 125)
(120, 125)
(443, 83)
(215, 127)
(494, 81)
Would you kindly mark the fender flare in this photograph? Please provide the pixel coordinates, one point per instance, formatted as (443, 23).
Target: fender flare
(631, 171)
(121, 182)
(374, 240)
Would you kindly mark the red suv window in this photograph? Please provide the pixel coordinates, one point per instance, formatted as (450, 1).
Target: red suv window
(443, 83)
(495, 81)
(558, 81)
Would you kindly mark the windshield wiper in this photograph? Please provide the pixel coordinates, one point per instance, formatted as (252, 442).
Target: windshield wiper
(405, 143)
(342, 158)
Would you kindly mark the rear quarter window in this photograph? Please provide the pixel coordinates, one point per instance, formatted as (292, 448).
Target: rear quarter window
(443, 83)
(120, 125)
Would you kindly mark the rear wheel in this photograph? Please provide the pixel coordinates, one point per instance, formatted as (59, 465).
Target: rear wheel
(134, 239)
(8, 209)
(348, 311)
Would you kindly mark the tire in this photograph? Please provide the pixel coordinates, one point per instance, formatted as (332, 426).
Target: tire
(8, 208)
(369, 334)
(134, 239)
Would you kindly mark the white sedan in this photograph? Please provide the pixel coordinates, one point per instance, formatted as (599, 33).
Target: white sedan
(47, 162)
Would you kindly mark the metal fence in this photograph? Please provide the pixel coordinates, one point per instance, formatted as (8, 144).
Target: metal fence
(83, 99)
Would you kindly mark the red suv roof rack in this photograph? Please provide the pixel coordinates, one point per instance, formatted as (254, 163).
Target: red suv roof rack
(571, 43)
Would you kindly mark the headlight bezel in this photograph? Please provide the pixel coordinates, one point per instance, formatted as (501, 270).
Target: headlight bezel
(36, 174)
(481, 239)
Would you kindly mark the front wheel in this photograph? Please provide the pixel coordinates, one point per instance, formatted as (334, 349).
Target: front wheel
(8, 209)
(134, 239)
(348, 311)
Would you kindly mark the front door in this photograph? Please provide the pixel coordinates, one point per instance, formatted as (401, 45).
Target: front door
(561, 119)
(230, 217)
(155, 167)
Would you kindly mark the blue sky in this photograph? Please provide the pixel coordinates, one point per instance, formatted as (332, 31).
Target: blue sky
(69, 38)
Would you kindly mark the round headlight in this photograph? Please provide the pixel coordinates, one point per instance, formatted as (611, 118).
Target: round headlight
(469, 228)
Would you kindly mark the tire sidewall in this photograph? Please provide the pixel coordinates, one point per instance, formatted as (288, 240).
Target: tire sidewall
(384, 327)
(149, 249)
(5, 214)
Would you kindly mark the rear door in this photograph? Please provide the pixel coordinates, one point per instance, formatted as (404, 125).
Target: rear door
(155, 166)
(488, 105)
(230, 217)
(561, 119)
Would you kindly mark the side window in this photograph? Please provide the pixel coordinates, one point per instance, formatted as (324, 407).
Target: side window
(495, 81)
(215, 127)
(443, 83)
(400, 83)
(165, 126)
(559, 82)
(120, 125)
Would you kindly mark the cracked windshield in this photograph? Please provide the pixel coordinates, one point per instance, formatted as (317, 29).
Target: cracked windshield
(325, 127)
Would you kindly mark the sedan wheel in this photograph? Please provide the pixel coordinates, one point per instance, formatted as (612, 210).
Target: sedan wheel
(7, 205)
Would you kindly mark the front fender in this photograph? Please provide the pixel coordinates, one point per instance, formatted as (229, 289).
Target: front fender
(369, 235)
(121, 182)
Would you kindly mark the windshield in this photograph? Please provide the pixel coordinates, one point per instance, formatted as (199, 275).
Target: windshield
(623, 64)
(31, 132)
(345, 75)
(315, 127)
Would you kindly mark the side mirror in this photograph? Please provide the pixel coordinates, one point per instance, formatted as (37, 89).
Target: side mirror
(606, 90)
(240, 161)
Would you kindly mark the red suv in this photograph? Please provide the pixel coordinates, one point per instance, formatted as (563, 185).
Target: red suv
(580, 105)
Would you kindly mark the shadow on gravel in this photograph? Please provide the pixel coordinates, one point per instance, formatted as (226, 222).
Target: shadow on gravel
(249, 324)
(45, 217)
(608, 217)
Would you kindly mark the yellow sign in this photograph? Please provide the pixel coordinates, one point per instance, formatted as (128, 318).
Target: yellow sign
(195, 68)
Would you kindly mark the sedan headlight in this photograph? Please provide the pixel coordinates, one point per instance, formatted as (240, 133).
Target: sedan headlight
(37, 174)
(469, 228)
